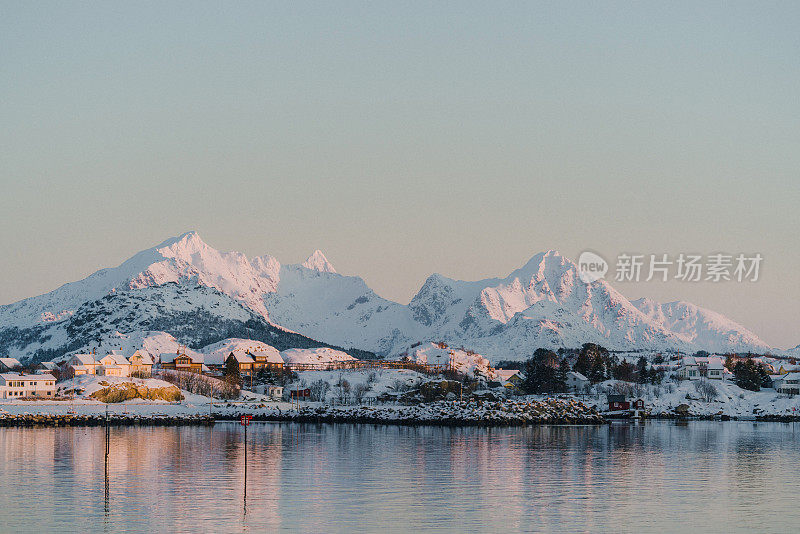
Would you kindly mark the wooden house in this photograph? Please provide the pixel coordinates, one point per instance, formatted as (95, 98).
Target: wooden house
(181, 362)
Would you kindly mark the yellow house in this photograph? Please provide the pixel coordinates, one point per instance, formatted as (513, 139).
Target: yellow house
(83, 364)
(114, 364)
(141, 363)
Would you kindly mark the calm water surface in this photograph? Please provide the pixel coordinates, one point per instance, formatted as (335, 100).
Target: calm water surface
(655, 477)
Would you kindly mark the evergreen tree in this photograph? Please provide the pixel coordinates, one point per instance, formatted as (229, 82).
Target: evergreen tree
(232, 375)
(642, 372)
(540, 372)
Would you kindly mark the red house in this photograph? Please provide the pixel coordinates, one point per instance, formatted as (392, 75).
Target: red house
(618, 402)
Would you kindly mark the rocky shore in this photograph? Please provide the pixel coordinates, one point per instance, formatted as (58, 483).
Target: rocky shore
(31, 420)
(466, 413)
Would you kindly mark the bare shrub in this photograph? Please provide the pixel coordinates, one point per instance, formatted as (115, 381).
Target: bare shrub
(359, 391)
(706, 390)
(200, 384)
(319, 389)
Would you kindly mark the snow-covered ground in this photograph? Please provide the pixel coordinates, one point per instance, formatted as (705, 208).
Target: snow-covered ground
(318, 355)
(731, 400)
(464, 362)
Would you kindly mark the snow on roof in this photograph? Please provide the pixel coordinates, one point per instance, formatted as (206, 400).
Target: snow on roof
(169, 357)
(10, 362)
(505, 374)
(49, 365)
(85, 359)
(577, 375)
(715, 362)
(79, 367)
(790, 376)
(216, 353)
(241, 357)
(36, 378)
(146, 358)
(117, 357)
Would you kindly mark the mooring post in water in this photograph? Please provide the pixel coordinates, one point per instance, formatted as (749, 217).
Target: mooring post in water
(245, 421)
(108, 436)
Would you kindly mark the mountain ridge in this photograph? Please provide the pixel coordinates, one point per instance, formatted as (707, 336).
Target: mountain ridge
(542, 303)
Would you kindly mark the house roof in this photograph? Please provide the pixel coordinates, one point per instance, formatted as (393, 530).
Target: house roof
(36, 378)
(10, 362)
(169, 357)
(789, 376)
(49, 365)
(505, 374)
(241, 357)
(117, 357)
(577, 375)
(146, 358)
(85, 359)
(79, 367)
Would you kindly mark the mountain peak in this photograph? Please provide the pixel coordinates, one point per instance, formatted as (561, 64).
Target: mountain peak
(318, 262)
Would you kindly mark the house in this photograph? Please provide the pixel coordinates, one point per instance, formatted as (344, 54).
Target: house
(47, 366)
(509, 378)
(577, 382)
(83, 364)
(269, 359)
(617, 402)
(274, 392)
(243, 362)
(697, 367)
(141, 363)
(182, 362)
(10, 364)
(18, 385)
(788, 383)
(114, 364)
(638, 404)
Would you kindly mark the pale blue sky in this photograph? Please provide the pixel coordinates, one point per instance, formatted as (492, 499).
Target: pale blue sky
(458, 138)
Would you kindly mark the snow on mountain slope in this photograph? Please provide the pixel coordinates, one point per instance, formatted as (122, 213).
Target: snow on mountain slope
(185, 259)
(701, 327)
(318, 355)
(542, 304)
(341, 309)
(318, 262)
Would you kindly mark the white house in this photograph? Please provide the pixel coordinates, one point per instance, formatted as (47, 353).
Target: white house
(576, 381)
(697, 367)
(788, 383)
(17, 386)
(114, 364)
(83, 364)
(9, 364)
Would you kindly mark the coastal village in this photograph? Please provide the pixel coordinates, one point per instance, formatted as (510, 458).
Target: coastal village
(248, 375)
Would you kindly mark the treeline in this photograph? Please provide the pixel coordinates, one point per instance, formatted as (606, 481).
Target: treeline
(546, 371)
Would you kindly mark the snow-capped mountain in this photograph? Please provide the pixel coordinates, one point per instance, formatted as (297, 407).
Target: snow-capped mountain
(196, 293)
(701, 327)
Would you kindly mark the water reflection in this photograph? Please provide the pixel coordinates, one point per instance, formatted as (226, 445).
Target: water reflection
(647, 477)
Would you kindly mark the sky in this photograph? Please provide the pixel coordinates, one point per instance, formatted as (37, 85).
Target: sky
(406, 138)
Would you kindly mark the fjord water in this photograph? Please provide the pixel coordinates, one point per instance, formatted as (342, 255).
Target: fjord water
(652, 477)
